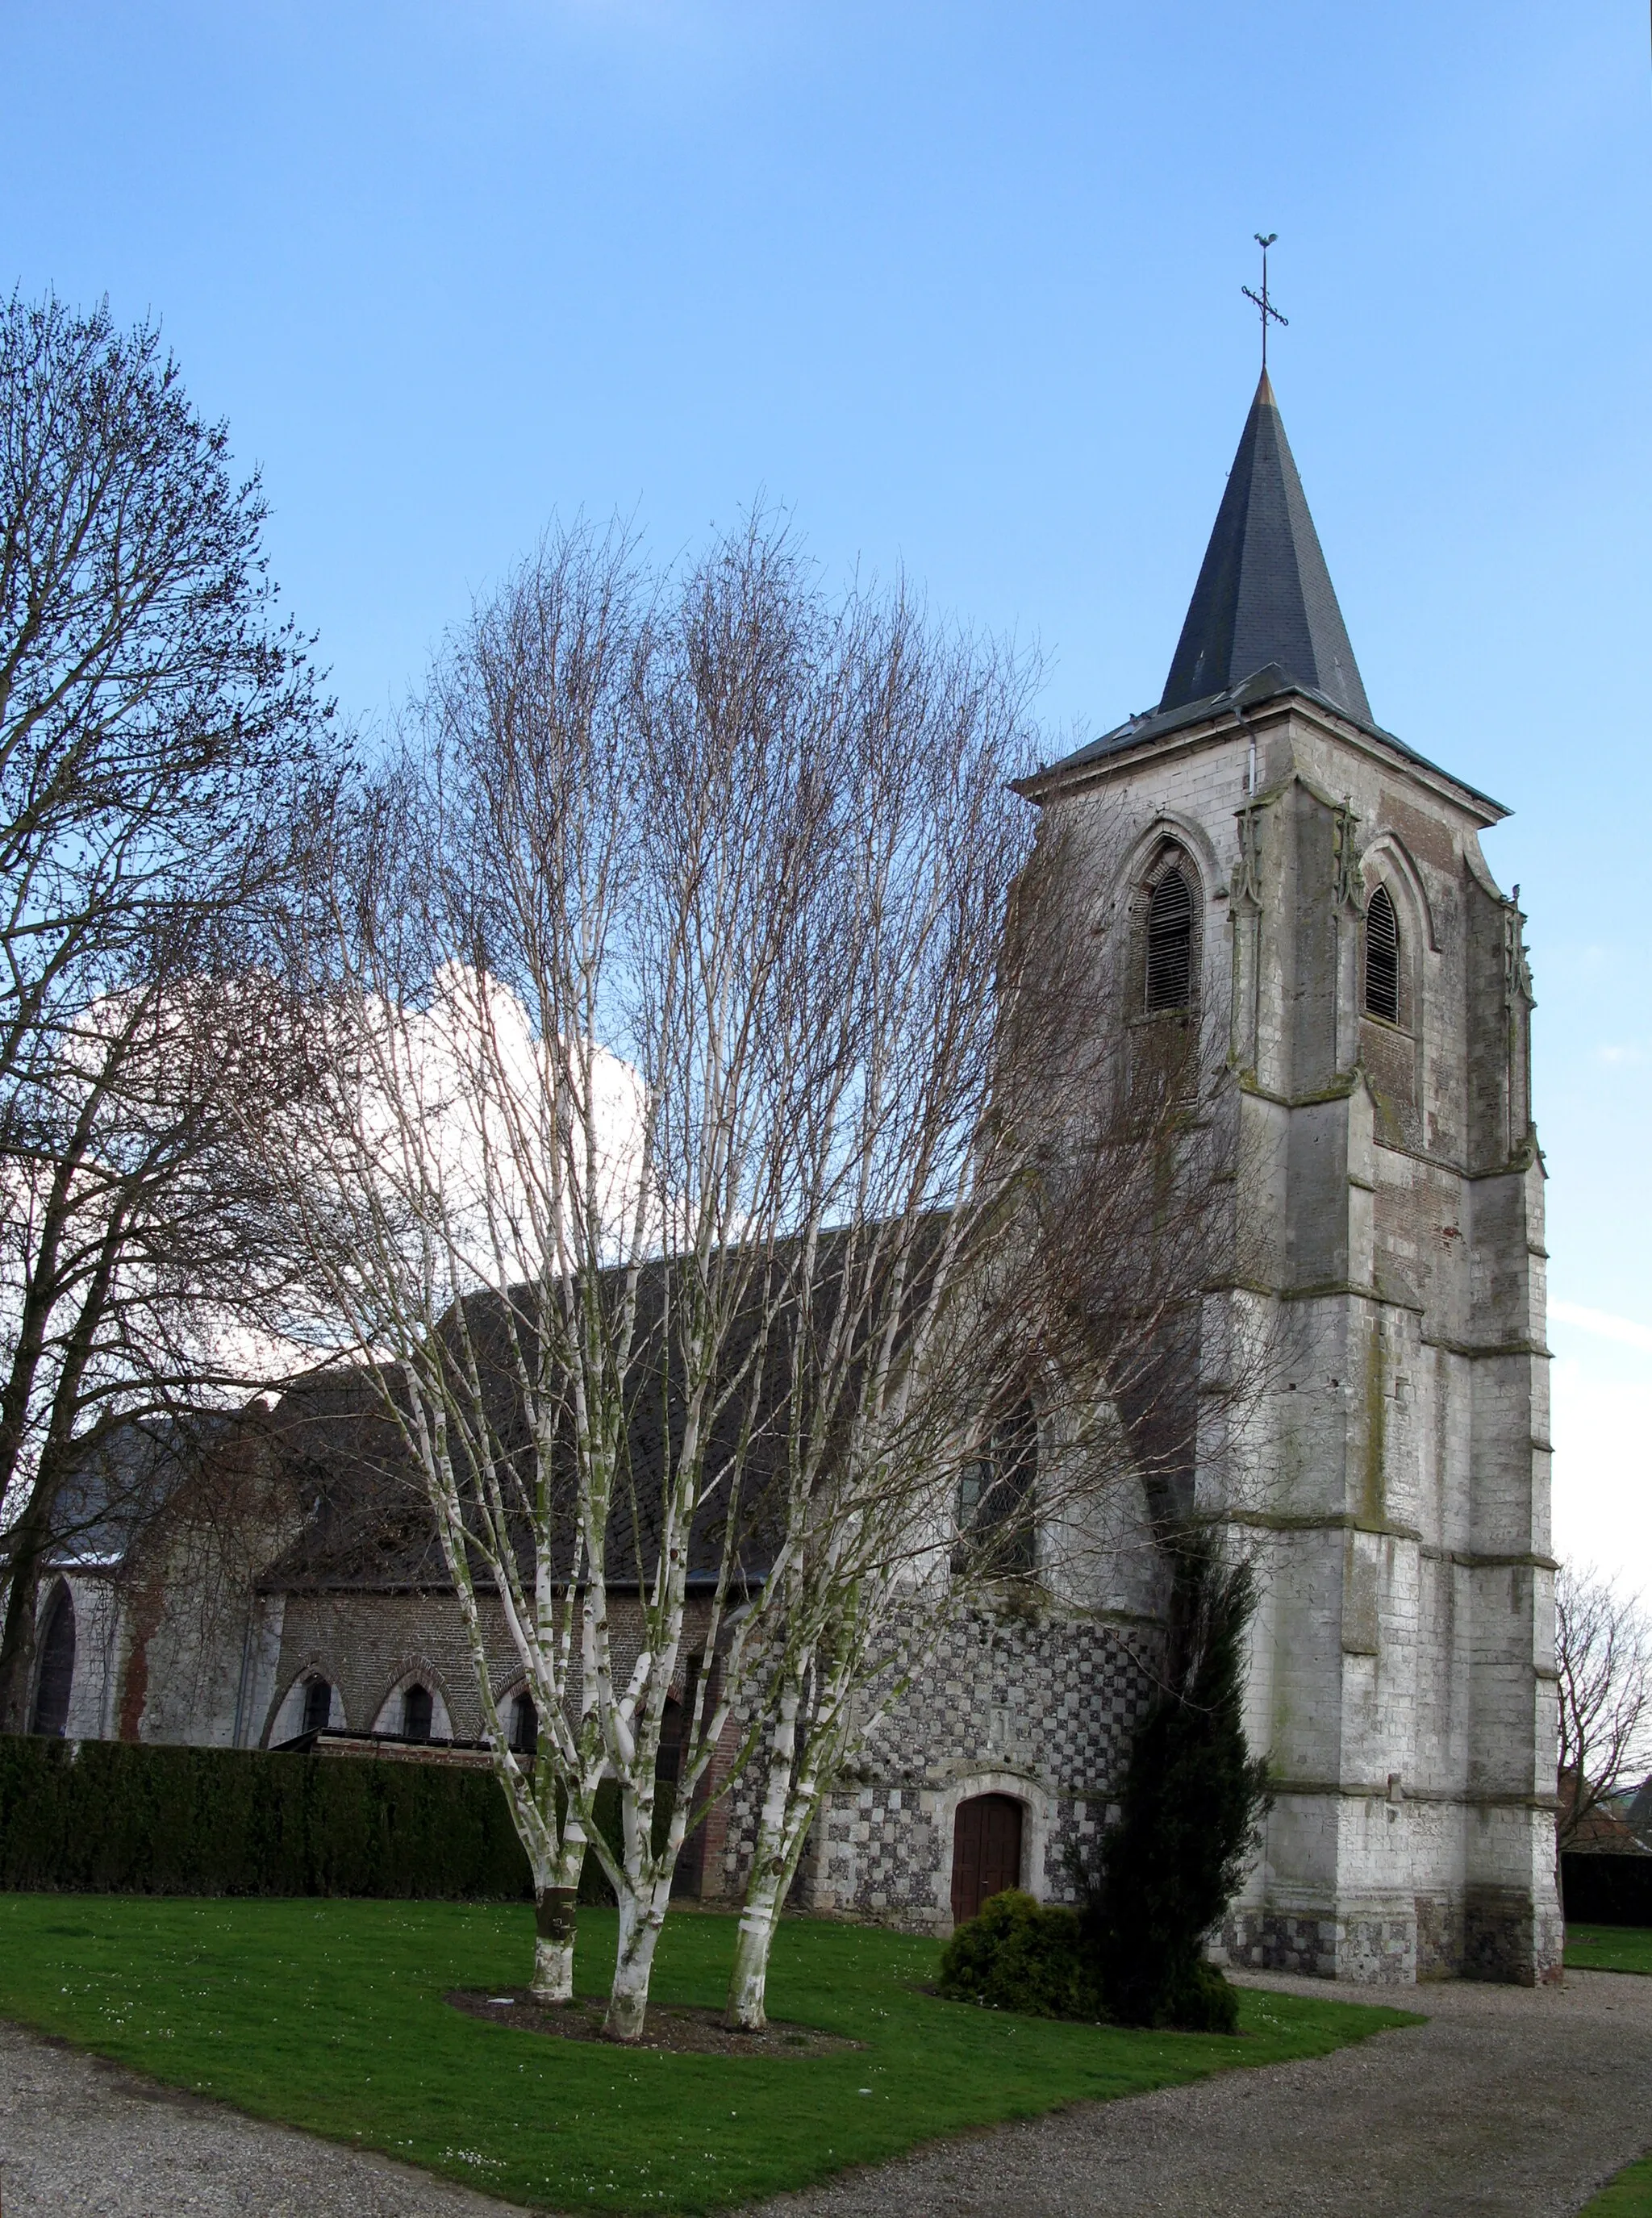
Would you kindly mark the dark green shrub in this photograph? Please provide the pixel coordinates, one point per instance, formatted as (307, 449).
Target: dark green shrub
(1017, 1954)
(1190, 1807)
(1201, 2001)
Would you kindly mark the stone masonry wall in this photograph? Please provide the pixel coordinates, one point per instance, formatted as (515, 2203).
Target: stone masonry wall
(1032, 1704)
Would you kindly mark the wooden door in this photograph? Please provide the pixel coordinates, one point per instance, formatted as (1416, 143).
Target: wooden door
(986, 1851)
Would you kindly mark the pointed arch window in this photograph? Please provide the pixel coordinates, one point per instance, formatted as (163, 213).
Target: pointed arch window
(57, 1666)
(1381, 957)
(996, 1497)
(1169, 942)
(417, 1711)
(318, 1705)
(524, 1725)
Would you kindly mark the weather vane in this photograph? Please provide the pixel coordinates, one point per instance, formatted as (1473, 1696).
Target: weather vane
(1270, 313)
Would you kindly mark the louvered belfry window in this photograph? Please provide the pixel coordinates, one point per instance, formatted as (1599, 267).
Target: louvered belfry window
(1381, 957)
(1169, 942)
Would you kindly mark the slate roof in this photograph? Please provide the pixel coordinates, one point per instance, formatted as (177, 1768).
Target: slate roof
(370, 1527)
(366, 1524)
(125, 1475)
(1264, 595)
(1264, 620)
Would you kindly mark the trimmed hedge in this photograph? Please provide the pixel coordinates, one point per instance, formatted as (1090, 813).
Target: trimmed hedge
(1607, 1890)
(120, 1817)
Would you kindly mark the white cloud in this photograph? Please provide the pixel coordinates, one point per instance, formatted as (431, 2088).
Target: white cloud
(1604, 1324)
(1603, 1469)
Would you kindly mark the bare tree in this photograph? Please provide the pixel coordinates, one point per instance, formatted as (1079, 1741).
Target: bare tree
(162, 749)
(1603, 1658)
(759, 848)
(679, 1183)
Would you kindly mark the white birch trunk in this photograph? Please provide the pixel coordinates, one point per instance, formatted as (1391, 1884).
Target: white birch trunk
(792, 924)
(747, 2010)
(641, 1918)
(770, 1877)
(556, 1918)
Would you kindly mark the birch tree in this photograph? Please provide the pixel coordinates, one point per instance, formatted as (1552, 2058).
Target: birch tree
(1048, 1206)
(718, 870)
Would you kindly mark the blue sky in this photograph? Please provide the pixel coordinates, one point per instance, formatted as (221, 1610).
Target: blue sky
(960, 286)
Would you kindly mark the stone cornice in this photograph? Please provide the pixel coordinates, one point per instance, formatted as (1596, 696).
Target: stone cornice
(1473, 1560)
(1230, 724)
(1380, 1791)
(1482, 1351)
(1330, 1520)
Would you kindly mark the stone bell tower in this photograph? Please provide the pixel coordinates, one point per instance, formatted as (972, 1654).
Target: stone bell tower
(1339, 917)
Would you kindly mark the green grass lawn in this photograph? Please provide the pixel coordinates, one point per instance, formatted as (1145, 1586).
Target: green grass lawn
(1609, 1947)
(329, 2016)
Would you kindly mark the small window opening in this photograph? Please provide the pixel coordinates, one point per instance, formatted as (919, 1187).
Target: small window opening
(416, 1712)
(1169, 942)
(995, 1496)
(524, 1725)
(1381, 957)
(318, 1705)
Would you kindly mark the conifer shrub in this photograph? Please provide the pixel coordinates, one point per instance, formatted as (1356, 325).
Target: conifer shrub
(1191, 1805)
(1019, 1955)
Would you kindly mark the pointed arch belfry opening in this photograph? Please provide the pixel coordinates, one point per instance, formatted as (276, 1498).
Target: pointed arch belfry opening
(1381, 989)
(57, 1668)
(1169, 942)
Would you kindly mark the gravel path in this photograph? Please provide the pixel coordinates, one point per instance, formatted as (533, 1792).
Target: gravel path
(1510, 2101)
(1507, 2102)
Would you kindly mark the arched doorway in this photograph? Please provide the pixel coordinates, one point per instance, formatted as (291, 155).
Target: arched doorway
(57, 1666)
(986, 1851)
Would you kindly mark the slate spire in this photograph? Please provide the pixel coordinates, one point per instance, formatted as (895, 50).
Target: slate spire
(1264, 595)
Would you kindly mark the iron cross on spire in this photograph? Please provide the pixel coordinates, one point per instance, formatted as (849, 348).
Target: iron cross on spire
(1270, 313)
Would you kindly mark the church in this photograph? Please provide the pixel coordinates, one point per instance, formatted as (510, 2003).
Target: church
(1300, 877)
